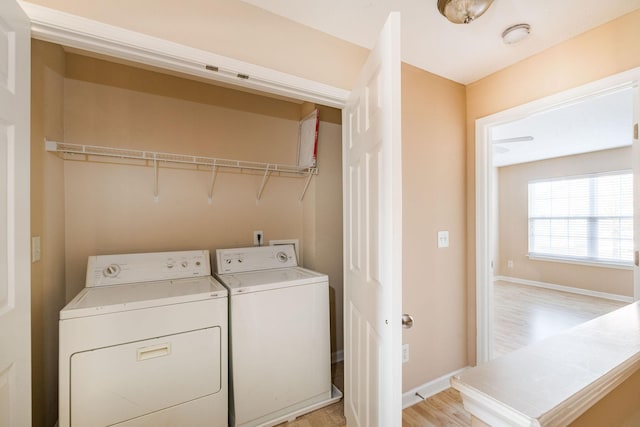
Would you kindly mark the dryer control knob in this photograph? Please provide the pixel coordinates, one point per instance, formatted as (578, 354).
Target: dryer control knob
(184, 264)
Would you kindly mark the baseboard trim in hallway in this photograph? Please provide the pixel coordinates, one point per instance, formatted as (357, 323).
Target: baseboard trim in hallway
(428, 389)
(562, 288)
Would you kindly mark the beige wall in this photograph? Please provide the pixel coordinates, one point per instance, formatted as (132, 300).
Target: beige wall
(83, 208)
(238, 30)
(433, 150)
(104, 106)
(433, 193)
(601, 52)
(234, 29)
(513, 223)
(107, 104)
(47, 221)
(618, 408)
(110, 207)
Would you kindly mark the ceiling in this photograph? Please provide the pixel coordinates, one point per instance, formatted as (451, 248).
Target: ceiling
(463, 53)
(596, 123)
(466, 53)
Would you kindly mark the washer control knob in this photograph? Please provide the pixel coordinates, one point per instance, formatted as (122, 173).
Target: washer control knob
(184, 264)
(112, 270)
(282, 257)
(170, 263)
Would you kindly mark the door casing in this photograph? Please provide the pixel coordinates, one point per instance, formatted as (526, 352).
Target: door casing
(485, 192)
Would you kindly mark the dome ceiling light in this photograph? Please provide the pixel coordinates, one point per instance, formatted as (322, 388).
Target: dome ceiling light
(516, 33)
(463, 11)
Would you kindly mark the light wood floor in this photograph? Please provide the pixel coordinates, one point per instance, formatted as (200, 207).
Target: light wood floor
(522, 315)
(525, 314)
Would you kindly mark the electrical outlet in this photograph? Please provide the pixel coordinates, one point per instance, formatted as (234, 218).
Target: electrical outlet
(509, 264)
(405, 353)
(258, 238)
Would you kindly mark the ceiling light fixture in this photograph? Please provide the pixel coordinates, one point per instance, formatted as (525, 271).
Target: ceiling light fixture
(463, 11)
(516, 33)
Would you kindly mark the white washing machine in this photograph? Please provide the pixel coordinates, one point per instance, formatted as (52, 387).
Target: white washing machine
(145, 344)
(280, 356)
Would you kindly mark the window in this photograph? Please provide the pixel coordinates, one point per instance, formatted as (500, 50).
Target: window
(587, 218)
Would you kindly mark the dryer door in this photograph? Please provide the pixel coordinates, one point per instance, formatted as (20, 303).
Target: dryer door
(118, 383)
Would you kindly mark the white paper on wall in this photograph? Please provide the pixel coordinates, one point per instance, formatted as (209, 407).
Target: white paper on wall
(308, 141)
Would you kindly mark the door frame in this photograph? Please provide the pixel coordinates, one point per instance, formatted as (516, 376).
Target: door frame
(15, 254)
(59, 27)
(486, 191)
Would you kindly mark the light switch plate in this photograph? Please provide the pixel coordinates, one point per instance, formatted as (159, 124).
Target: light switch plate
(35, 248)
(443, 239)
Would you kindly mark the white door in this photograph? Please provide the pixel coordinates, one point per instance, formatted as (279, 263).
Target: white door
(15, 341)
(372, 185)
(636, 191)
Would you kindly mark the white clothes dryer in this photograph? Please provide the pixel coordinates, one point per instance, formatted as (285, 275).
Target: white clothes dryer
(280, 356)
(145, 344)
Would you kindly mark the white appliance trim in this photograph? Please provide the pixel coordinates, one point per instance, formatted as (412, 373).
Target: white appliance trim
(74, 31)
(429, 389)
(562, 288)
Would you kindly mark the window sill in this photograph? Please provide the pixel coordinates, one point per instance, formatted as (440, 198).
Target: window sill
(587, 263)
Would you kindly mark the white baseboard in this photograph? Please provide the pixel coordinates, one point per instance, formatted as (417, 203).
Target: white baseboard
(337, 356)
(428, 389)
(562, 288)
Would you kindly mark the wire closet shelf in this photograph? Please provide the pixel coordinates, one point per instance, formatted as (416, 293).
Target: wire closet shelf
(158, 157)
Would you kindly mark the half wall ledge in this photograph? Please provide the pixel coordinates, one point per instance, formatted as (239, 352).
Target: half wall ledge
(555, 381)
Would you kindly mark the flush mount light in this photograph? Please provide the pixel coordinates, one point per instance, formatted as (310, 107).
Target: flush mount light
(516, 33)
(463, 11)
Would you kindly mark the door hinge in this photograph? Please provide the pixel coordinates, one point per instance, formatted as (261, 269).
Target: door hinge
(635, 131)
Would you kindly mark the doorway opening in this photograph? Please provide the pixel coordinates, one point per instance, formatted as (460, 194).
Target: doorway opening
(550, 232)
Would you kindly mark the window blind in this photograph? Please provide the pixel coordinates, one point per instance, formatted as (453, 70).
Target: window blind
(587, 218)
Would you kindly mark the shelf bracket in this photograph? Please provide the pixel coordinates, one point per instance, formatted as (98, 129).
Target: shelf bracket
(214, 173)
(306, 185)
(155, 180)
(264, 181)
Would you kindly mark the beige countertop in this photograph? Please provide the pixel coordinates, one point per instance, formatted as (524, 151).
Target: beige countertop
(554, 381)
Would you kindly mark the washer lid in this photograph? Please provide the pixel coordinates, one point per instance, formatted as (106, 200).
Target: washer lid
(256, 281)
(93, 301)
